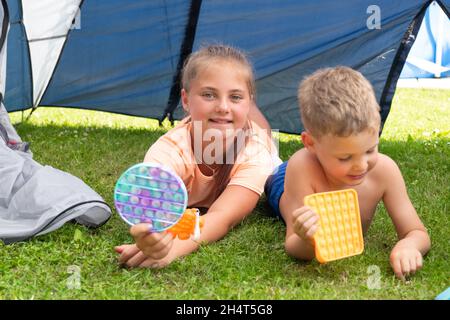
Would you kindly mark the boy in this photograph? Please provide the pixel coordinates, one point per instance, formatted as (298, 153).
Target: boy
(342, 121)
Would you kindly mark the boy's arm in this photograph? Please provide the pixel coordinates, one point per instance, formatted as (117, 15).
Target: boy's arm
(301, 222)
(414, 242)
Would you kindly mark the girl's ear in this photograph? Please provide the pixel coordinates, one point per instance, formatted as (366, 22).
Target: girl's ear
(185, 100)
(308, 141)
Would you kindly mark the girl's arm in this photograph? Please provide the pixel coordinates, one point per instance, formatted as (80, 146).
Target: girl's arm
(256, 115)
(233, 205)
(414, 241)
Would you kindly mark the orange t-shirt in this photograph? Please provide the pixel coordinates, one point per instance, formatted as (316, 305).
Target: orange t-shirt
(253, 164)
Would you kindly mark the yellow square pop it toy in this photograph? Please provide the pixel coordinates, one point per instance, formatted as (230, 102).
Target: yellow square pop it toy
(340, 232)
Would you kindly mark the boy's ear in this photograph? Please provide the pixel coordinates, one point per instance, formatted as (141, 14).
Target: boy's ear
(308, 141)
(185, 100)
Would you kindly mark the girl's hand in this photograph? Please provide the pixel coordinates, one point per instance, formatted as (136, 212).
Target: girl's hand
(131, 256)
(405, 260)
(305, 223)
(150, 250)
(154, 245)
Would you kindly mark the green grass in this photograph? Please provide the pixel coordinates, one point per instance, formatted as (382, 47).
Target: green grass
(250, 263)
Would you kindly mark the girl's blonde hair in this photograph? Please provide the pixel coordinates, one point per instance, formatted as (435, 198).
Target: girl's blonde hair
(193, 66)
(211, 54)
(339, 101)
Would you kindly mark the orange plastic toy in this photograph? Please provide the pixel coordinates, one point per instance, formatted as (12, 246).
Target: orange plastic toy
(340, 232)
(189, 224)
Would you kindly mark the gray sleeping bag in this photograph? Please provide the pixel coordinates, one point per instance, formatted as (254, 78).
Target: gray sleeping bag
(37, 199)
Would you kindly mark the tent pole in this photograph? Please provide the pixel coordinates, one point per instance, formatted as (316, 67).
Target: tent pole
(185, 51)
(440, 31)
(397, 64)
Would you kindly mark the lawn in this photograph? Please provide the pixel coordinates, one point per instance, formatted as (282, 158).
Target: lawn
(250, 263)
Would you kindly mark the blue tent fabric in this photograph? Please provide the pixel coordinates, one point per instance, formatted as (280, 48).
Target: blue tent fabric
(426, 44)
(19, 92)
(126, 56)
(131, 62)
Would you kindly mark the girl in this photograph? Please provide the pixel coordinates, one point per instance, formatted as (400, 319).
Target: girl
(223, 152)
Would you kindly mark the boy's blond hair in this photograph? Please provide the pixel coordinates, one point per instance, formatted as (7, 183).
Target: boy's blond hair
(338, 101)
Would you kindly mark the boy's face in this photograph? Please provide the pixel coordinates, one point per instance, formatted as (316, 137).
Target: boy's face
(346, 160)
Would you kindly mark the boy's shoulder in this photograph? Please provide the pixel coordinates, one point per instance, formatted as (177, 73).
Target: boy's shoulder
(385, 164)
(386, 169)
(300, 157)
(304, 162)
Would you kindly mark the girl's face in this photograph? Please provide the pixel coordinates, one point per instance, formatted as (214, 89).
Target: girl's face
(218, 97)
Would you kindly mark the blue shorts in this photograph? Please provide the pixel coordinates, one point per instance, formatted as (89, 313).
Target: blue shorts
(274, 188)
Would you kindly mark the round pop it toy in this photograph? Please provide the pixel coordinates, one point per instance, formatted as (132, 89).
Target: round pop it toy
(150, 193)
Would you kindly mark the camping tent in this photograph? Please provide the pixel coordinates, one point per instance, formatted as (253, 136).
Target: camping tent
(24, 212)
(125, 56)
(430, 55)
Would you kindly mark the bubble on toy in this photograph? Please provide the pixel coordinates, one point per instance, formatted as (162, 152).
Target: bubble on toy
(141, 181)
(174, 186)
(153, 184)
(135, 190)
(160, 214)
(131, 178)
(127, 209)
(145, 193)
(145, 202)
(167, 196)
(142, 170)
(164, 175)
(156, 203)
(166, 206)
(157, 225)
(149, 213)
(177, 197)
(139, 211)
(163, 186)
(172, 216)
(154, 172)
(134, 199)
(177, 208)
(156, 194)
(125, 188)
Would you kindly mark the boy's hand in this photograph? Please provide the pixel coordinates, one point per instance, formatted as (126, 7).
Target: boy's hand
(405, 260)
(305, 223)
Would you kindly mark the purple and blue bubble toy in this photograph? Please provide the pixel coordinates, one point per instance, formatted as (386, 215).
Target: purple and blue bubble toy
(150, 193)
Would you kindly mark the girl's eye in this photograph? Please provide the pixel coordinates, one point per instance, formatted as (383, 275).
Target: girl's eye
(236, 98)
(208, 95)
(371, 151)
(344, 159)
